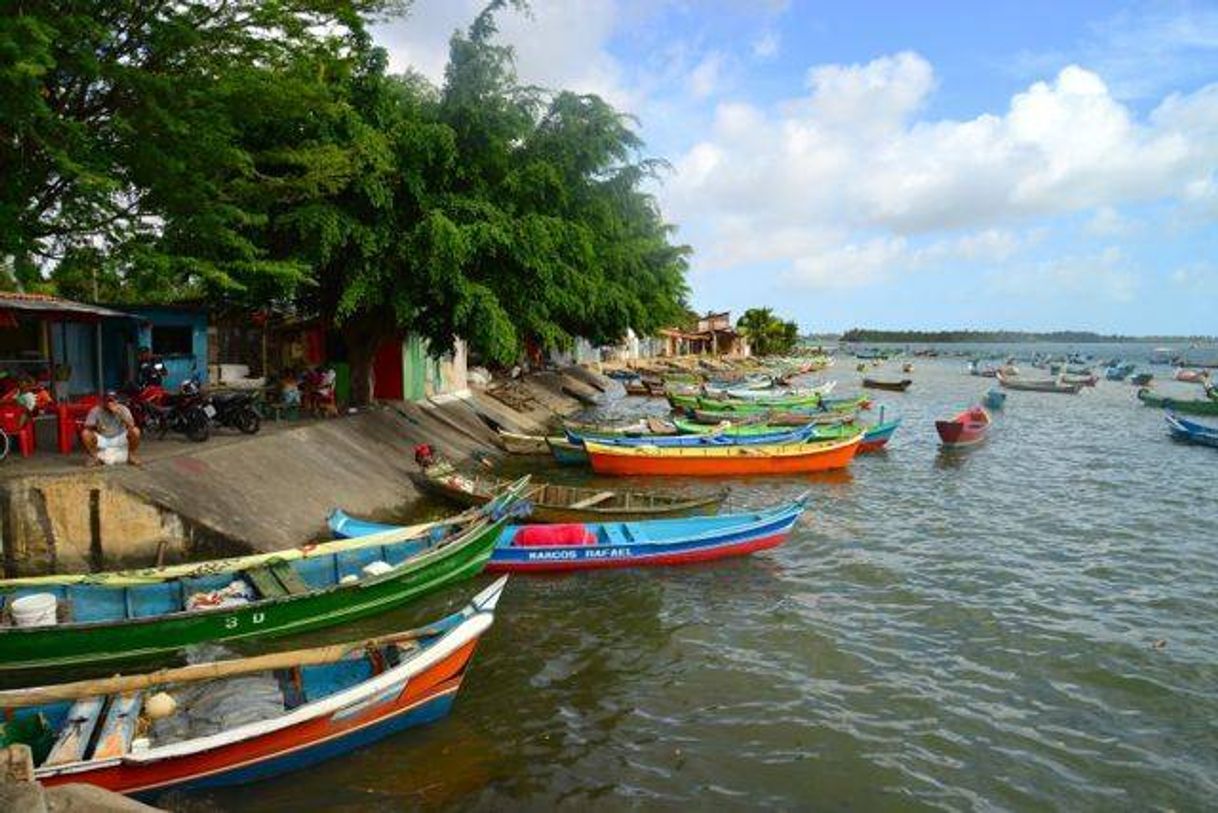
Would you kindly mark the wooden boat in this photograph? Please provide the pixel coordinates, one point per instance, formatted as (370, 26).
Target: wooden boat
(1201, 406)
(1192, 376)
(724, 410)
(296, 709)
(524, 444)
(771, 395)
(995, 399)
(567, 452)
(891, 386)
(877, 435)
(1118, 371)
(155, 612)
(778, 436)
(1141, 379)
(792, 458)
(771, 401)
(580, 546)
(1191, 431)
(1038, 385)
(1083, 380)
(966, 429)
(643, 426)
(551, 502)
(710, 418)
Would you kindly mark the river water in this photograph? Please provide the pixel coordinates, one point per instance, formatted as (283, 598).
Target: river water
(1030, 625)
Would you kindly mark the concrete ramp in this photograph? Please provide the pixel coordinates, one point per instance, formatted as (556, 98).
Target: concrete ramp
(274, 491)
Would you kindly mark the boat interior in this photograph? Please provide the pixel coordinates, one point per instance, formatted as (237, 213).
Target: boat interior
(272, 579)
(104, 727)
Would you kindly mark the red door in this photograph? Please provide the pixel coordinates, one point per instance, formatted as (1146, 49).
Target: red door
(387, 371)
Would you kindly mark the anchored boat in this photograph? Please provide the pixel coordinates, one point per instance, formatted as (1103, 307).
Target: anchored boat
(155, 612)
(297, 709)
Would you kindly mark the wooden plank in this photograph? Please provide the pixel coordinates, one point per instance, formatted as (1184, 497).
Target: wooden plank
(265, 583)
(119, 727)
(76, 732)
(595, 499)
(289, 578)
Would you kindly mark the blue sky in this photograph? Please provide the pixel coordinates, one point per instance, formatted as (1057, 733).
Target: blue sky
(930, 165)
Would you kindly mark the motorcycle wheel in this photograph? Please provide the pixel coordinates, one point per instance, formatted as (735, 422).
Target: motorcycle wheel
(198, 426)
(155, 424)
(248, 421)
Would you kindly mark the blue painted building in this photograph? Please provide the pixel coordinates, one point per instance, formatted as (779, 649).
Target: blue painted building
(178, 334)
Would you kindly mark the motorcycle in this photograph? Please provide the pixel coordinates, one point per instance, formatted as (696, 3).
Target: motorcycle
(236, 410)
(187, 412)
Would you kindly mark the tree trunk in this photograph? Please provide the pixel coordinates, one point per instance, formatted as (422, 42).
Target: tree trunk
(362, 341)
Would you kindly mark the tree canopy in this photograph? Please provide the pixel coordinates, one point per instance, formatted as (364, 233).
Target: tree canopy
(259, 151)
(768, 334)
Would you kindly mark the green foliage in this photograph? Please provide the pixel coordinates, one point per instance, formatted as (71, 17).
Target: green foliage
(767, 334)
(258, 151)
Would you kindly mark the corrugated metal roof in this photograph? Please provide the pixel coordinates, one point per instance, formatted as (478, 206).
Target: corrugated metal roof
(48, 306)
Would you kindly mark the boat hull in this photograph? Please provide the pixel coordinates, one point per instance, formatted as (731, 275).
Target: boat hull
(966, 429)
(877, 437)
(890, 386)
(731, 461)
(150, 638)
(1187, 406)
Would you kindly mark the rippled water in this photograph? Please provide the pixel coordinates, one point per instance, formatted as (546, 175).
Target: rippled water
(968, 631)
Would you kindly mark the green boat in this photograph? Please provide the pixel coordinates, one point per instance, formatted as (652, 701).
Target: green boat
(833, 431)
(1206, 406)
(149, 614)
(728, 410)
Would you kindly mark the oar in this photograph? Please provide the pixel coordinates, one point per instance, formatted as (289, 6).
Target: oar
(123, 684)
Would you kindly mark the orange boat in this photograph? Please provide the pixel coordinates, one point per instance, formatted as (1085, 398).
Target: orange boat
(790, 458)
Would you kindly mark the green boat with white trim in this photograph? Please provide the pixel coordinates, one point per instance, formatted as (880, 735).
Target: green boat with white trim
(144, 615)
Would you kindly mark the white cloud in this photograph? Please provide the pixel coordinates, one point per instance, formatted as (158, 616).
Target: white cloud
(1108, 222)
(558, 43)
(767, 45)
(705, 78)
(855, 167)
(1103, 275)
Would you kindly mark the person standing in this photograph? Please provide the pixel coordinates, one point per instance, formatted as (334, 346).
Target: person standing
(109, 425)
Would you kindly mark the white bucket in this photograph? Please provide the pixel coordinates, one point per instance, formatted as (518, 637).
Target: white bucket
(37, 610)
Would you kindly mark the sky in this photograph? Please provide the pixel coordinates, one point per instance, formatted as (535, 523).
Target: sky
(931, 165)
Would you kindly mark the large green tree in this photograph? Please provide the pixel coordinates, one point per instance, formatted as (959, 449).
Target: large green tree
(117, 135)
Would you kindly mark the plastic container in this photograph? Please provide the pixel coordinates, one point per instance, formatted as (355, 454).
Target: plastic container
(37, 610)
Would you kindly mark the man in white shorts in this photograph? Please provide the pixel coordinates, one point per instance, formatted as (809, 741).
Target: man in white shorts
(107, 425)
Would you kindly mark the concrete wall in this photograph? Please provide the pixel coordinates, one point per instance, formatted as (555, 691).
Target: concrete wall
(76, 522)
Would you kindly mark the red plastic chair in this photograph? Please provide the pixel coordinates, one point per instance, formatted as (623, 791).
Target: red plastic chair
(14, 420)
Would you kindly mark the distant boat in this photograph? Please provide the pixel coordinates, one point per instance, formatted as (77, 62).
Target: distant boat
(995, 399)
(1162, 355)
(1141, 379)
(1192, 376)
(1118, 371)
(966, 429)
(1088, 380)
(907, 367)
(891, 386)
(1039, 385)
(1200, 406)
(1191, 431)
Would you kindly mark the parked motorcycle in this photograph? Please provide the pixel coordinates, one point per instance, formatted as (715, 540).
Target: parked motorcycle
(187, 412)
(235, 409)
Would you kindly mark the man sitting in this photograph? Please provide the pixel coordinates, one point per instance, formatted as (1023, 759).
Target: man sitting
(110, 425)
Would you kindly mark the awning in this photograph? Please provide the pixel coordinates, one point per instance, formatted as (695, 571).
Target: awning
(41, 306)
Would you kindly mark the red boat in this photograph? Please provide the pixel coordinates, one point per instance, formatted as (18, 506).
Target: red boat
(966, 429)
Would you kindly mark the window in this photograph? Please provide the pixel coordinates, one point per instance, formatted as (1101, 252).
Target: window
(172, 340)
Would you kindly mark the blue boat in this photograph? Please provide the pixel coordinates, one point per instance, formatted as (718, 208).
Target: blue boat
(799, 434)
(1118, 371)
(584, 546)
(1191, 431)
(995, 399)
(567, 452)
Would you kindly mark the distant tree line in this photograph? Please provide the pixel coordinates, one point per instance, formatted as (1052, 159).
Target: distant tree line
(258, 153)
(857, 335)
